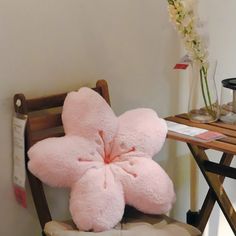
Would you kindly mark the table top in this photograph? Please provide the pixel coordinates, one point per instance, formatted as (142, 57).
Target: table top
(226, 144)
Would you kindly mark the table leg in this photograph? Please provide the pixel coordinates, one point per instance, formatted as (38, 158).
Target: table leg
(200, 218)
(216, 191)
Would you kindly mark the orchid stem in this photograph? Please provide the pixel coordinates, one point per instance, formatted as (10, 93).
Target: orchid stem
(202, 88)
(203, 77)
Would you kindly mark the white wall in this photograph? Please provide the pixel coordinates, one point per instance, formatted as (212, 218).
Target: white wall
(52, 46)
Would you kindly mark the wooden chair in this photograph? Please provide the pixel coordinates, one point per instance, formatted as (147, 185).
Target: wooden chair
(44, 120)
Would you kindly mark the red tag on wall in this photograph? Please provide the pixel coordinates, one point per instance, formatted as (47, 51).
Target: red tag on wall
(181, 66)
(20, 195)
(183, 63)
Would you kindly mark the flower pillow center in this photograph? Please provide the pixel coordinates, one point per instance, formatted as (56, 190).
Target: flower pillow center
(107, 154)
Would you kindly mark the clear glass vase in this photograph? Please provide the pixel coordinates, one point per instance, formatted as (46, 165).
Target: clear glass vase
(203, 104)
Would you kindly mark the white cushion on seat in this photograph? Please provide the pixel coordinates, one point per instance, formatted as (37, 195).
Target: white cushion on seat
(143, 226)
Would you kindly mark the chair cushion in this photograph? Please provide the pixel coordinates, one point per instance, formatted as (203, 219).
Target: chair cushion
(142, 226)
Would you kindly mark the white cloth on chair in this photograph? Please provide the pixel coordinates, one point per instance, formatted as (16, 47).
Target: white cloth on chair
(143, 226)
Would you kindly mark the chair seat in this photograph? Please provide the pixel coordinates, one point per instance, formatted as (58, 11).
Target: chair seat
(142, 226)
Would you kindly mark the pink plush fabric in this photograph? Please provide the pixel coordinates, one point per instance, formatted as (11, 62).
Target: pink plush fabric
(105, 160)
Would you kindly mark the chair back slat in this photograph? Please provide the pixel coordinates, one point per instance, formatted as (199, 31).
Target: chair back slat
(47, 133)
(43, 103)
(44, 121)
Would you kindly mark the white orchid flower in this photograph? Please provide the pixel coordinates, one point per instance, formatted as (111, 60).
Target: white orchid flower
(182, 14)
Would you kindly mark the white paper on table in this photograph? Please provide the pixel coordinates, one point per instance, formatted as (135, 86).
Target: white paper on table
(184, 129)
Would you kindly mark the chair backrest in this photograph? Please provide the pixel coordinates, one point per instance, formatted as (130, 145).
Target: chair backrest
(44, 120)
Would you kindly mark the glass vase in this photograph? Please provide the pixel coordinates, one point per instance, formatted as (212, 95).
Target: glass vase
(203, 104)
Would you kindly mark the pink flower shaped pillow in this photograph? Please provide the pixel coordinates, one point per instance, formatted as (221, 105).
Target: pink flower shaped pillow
(105, 160)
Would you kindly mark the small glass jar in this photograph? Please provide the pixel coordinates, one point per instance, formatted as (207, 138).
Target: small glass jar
(228, 101)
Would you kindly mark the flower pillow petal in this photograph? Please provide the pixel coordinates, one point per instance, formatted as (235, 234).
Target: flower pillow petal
(141, 128)
(105, 160)
(85, 113)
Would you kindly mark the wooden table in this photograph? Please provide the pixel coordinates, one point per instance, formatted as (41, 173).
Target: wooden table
(214, 173)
